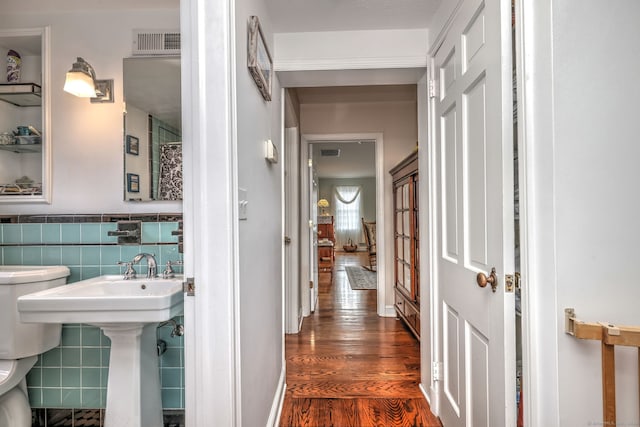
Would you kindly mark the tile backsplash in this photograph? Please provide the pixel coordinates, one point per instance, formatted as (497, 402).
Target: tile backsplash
(74, 374)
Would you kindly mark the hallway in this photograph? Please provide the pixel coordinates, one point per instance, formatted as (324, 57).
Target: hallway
(350, 368)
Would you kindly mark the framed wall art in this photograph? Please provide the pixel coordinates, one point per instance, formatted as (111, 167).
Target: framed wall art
(259, 59)
(133, 183)
(133, 145)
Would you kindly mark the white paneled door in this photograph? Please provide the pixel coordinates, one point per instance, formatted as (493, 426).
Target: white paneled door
(474, 158)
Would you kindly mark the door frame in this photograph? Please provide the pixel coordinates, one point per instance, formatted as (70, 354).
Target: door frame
(306, 141)
(292, 307)
(212, 327)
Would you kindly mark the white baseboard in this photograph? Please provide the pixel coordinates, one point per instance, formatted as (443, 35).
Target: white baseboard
(278, 400)
(389, 311)
(432, 398)
(425, 393)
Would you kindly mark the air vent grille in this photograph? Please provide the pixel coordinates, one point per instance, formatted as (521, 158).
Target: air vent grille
(330, 152)
(156, 42)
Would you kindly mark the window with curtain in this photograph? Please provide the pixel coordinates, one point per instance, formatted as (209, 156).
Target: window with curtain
(347, 203)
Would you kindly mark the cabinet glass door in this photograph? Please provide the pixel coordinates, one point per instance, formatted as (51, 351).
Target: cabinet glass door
(25, 170)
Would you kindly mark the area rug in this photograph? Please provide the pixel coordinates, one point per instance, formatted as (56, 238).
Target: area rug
(360, 278)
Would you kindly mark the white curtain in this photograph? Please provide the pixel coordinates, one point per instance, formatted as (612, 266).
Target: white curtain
(348, 208)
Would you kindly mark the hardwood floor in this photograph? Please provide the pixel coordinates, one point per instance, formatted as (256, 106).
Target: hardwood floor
(350, 368)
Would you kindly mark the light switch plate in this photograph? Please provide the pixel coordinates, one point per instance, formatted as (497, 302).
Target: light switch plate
(270, 151)
(242, 203)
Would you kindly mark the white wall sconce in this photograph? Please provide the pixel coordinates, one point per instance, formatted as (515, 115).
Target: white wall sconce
(81, 82)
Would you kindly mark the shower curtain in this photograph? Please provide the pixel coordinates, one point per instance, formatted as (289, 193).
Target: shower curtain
(170, 186)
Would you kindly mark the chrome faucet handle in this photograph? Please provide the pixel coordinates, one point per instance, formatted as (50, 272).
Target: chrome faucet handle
(168, 271)
(129, 273)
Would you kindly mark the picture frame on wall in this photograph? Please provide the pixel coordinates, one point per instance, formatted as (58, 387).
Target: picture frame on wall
(259, 59)
(133, 183)
(132, 145)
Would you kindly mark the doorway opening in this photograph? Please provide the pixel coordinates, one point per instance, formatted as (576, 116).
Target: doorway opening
(329, 121)
(346, 171)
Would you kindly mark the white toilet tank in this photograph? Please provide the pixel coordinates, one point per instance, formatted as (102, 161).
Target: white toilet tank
(17, 339)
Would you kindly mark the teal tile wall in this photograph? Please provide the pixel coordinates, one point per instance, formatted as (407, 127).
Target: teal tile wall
(74, 374)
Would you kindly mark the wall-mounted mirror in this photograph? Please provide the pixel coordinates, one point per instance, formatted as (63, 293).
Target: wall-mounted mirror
(152, 129)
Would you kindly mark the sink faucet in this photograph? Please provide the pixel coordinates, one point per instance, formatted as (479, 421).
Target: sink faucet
(152, 267)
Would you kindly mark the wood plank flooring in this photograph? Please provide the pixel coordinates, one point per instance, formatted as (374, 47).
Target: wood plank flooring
(350, 368)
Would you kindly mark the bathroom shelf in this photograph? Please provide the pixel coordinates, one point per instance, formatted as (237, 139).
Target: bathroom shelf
(21, 94)
(22, 148)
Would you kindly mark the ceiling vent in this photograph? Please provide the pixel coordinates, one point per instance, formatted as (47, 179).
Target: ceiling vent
(330, 152)
(156, 42)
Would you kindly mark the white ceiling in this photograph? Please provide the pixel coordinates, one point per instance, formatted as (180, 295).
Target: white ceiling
(349, 15)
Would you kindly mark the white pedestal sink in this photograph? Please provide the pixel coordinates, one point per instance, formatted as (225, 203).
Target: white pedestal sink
(128, 312)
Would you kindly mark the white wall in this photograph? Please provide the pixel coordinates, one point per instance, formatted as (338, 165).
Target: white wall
(87, 139)
(582, 152)
(396, 120)
(137, 123)
(261, 235)
(596, 172)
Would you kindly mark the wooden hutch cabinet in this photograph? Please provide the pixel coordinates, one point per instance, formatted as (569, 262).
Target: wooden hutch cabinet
(325, 228)
(406, 242)
(326, 243)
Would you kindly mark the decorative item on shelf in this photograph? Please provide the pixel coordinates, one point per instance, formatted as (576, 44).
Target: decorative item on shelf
(24, 182)
(26, 135)
(259, 59)
(7, 138)
(27, 139)
(323, 204)
(13, 66)
(350, 246)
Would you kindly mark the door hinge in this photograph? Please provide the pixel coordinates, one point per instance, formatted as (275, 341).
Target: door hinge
(436, 371)
(310, 284)
(310, 163)
(189, 286)
(433, 88)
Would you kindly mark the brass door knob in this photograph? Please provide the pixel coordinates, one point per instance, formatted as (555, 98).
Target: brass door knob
(482, 279)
